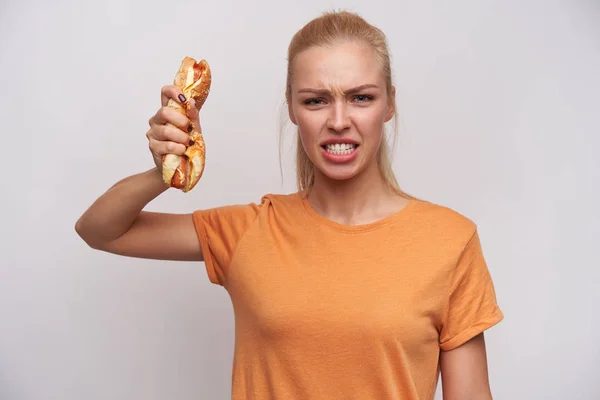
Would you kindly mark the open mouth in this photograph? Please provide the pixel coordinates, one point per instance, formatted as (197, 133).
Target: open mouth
(340, 149)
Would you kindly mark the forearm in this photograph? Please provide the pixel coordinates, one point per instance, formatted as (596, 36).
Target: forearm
(113, 213)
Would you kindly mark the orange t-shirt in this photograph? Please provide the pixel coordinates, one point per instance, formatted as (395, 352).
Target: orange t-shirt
(331, 311)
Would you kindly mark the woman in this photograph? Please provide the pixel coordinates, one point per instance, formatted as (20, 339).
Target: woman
(347, 289)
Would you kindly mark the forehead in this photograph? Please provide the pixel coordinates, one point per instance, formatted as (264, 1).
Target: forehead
(340, 66)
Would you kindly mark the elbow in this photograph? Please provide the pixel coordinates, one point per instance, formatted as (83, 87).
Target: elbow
(85, 235)
(81, 232)
(79, 229)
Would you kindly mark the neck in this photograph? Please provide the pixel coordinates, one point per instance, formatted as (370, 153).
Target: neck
(361, 199)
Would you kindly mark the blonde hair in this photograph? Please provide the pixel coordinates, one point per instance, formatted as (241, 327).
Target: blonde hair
(330, 28)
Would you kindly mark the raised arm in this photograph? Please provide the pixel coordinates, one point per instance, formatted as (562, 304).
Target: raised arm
(116, 222)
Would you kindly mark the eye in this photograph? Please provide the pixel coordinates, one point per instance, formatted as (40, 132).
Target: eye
(313, 102)
(363, 98)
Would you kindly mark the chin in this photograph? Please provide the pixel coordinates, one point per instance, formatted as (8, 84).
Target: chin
(337, 173)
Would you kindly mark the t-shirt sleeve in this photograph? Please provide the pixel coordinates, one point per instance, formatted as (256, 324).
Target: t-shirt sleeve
(219, 231)
(472, 306)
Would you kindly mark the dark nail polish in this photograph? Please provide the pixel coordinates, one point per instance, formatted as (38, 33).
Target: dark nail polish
(182, 98)
(190, 127)
(191, 142)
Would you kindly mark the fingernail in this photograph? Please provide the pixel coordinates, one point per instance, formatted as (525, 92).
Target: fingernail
(190, 127)
(182, 98)
(191, 142)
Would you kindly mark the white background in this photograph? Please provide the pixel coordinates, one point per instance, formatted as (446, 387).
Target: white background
(499, 113)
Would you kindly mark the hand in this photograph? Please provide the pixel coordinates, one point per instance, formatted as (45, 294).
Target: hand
(169, 127)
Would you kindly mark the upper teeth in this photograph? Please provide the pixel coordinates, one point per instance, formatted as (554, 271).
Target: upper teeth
(340, 147)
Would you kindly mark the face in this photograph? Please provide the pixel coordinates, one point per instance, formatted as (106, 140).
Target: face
(339, 102)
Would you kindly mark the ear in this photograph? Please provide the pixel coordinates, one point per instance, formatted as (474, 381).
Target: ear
(391, 104)
(288, 99)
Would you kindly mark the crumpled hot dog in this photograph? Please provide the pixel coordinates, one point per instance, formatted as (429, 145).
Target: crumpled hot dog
(183, 172)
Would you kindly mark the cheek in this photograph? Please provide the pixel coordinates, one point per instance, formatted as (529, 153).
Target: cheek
(370, 123)
(309, 124)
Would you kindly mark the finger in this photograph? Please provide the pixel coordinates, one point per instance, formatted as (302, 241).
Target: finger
(161, 148)
(165, 133)
(168, 115)
(193, 113)
(171, 92)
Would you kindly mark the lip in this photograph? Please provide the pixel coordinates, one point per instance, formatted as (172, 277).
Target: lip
(342, 158)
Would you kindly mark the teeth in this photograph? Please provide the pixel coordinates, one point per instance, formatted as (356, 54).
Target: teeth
(340, 149)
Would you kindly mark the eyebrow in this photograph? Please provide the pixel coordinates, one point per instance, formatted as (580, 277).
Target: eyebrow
(349, 91)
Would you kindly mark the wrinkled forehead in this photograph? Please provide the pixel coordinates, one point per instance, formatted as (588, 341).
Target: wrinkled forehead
(337, 68)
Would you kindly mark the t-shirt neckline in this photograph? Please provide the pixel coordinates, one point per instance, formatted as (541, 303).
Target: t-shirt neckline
(355, 228)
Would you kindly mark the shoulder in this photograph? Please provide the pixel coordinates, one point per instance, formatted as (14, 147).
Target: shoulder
(442, 221)
(281, 200)
(281, 207)
(260, 205)
(436, 214)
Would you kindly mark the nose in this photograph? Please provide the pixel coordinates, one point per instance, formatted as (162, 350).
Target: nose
(338, 119)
